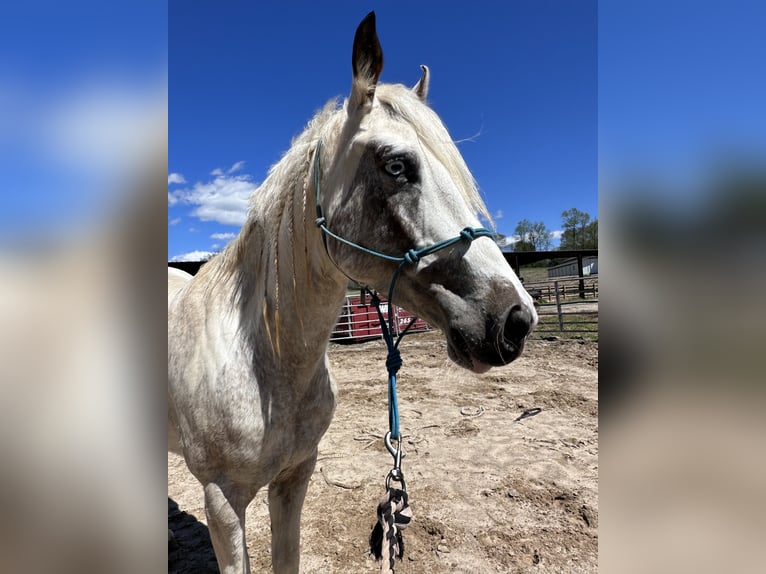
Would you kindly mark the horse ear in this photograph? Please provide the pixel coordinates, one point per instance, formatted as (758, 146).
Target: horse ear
(421, 88)
(366, 62)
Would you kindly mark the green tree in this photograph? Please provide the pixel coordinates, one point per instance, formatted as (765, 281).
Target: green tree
(522, 245)
(578, 230)
(521, 233)
(591, 235)
(532, 236)
(540, 237)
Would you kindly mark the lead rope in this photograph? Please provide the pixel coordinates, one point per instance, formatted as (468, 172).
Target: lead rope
(393, 512)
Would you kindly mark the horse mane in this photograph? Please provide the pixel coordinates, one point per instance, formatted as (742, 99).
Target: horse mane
(279, 207)
(277, 192)
(256, 262)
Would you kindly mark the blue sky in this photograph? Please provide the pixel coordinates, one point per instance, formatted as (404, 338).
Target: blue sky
(517, 82)
(681, 92)
(680, 89)
(82, 91)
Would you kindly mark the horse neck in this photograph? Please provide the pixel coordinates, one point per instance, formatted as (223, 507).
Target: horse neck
(287, 289)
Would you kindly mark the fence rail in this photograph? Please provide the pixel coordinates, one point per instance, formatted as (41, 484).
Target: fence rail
(566, 305)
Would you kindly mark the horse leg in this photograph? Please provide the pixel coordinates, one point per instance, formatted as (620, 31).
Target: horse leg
(225, 506)
(286, 495)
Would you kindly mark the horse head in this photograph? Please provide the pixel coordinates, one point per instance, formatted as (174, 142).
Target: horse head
(395, 181)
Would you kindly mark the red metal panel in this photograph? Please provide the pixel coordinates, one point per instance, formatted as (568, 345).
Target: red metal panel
(364, 318)
(403, 318)
(358, 321)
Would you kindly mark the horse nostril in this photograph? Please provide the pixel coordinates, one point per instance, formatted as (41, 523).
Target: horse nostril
(517, 325)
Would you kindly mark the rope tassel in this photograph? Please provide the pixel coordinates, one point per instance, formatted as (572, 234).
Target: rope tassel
(386, 542)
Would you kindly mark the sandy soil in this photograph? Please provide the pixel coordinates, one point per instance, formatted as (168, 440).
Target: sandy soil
(488, 494)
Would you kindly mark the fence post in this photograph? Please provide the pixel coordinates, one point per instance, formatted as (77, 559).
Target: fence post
(581, 274)
(558, 306)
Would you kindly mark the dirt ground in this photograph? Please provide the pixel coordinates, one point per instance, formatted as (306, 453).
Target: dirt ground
(488, 494)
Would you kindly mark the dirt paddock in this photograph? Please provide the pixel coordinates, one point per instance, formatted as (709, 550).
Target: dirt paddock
(488, 494)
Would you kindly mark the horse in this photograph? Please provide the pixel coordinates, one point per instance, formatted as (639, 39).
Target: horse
(250, 393)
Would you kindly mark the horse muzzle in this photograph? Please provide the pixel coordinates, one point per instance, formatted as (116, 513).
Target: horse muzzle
(500, 342)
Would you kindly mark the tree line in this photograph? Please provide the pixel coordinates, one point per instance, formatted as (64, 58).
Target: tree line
(578, 232)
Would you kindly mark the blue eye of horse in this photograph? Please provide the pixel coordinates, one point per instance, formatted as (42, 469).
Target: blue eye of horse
(395, 167)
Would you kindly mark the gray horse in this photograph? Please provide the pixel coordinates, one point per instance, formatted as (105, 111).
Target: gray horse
(249, 390)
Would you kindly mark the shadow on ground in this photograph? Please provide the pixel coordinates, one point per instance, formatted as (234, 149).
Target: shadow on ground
(190, 550)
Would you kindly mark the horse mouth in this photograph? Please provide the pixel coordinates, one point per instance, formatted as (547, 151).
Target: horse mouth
(459, 351)
(480, 360)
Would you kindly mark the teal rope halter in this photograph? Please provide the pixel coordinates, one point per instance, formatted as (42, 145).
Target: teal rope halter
(411, 257)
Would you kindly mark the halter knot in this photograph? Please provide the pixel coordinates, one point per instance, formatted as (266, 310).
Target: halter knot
(468, 233)
(412, 257)
(320, 221)
(394, 360)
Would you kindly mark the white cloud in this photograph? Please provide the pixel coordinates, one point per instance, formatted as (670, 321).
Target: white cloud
(172, 199)
(225, 199)
(174, 221)
(175, 178)
(507, 241)
(193, 256)
(498, 214)
(556, 234)
(236, 167)
(223, 236)
(217, 172)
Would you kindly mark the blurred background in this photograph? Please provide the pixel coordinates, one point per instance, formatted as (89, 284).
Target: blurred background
(682, 200)
(83, 166)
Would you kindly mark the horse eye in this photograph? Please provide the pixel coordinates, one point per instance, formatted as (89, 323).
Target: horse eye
(395, 167)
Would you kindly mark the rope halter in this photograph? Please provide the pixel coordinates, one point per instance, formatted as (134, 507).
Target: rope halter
(410, 257)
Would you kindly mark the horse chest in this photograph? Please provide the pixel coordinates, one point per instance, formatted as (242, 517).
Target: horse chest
(279, 420)
(300, 419)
